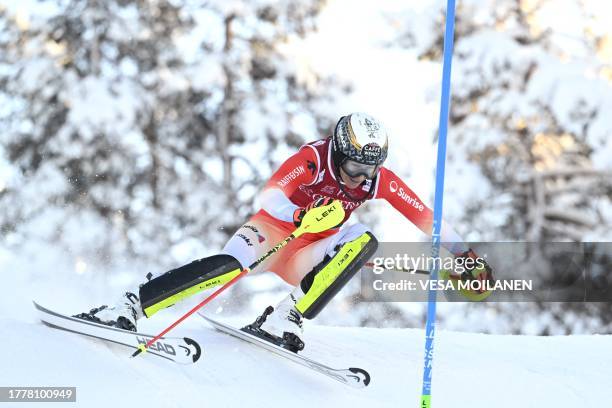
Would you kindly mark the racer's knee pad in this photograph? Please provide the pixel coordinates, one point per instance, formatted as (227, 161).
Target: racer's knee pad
(180, 283)
(327, 278)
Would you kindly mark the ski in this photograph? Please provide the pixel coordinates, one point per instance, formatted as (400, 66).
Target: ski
(354, 377)
(180, 350)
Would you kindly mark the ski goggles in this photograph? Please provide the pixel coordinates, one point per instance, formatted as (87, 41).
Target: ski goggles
(355, 169)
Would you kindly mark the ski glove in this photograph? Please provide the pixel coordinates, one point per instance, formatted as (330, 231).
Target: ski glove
(299, 213)
(475, 268)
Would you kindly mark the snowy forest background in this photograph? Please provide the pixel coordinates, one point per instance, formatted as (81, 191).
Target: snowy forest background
(135, 136)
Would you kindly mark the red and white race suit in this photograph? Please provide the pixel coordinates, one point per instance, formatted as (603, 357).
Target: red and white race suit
(304, 177)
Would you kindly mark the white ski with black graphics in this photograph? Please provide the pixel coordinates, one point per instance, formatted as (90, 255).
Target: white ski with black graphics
(354, 377)
(182, 350)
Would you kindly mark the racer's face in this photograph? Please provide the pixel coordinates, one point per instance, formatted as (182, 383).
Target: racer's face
(351, 182)
(355, 169)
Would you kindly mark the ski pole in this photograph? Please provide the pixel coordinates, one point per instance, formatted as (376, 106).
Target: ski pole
(316, 220)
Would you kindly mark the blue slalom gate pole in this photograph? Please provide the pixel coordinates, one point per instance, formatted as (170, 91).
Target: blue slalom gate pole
(430, 326)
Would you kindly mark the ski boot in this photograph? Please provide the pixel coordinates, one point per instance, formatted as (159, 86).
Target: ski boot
(282, 327)
(123, 315)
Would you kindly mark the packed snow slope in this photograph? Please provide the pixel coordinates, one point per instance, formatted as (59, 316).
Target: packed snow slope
(470, 370)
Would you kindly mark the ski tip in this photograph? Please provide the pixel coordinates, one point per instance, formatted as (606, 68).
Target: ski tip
(361, 377)
(198, 350)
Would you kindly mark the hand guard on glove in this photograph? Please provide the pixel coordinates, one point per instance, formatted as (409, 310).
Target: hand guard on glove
(299, 213)
(476, 268)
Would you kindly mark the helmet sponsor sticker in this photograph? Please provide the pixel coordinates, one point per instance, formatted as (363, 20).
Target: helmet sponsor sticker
(372, 128)
(371, 151)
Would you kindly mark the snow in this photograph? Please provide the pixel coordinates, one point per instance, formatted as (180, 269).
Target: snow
(103, 103)
(473, 370)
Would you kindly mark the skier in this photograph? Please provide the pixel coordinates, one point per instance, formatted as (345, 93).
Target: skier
(346, 166)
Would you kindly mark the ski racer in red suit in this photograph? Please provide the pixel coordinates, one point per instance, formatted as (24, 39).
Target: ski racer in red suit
(347, 166)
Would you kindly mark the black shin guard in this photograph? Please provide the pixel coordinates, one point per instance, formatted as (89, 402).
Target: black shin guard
(327, 278)
(180, 283)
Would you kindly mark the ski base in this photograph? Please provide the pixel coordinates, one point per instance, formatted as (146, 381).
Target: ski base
(180, 350)
(354, 377)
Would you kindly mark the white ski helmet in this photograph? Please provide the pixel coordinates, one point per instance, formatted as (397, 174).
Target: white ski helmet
(360, 139)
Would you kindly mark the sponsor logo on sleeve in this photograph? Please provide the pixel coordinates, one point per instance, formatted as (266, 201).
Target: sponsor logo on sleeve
(410, 200)
(393, 186)
(292, 175)
(413, 201)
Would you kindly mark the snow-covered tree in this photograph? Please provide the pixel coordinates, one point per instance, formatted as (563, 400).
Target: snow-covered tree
(530, 133)
(142, 128)
(530, 145)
